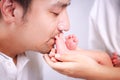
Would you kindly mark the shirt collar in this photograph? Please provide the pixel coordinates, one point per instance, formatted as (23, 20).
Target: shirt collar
(5, 57)
(22, 61)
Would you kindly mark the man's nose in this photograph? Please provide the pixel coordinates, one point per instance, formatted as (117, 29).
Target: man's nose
(64, 24)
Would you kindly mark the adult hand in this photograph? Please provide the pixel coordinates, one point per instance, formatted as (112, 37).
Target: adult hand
(74, 65)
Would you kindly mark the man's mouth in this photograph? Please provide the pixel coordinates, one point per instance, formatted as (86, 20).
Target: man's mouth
(53, 40)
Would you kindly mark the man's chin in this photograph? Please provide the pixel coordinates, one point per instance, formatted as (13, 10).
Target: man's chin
(45, 51)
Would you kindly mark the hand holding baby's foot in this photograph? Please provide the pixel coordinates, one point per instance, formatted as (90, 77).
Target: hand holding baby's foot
(63, 46)
(52, 55)
(60, 47)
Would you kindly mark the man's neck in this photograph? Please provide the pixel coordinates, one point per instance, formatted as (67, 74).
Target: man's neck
(15, 60)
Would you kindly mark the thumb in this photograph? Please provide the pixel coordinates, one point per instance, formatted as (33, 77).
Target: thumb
(66, 57)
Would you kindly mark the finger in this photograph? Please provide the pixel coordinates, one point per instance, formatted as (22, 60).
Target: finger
(117, 64)
(115, 61)
(67, 57)
(114, 58)
(54, 65)
(114, 54)
(53, 59)
(48, 60)
(52, 53)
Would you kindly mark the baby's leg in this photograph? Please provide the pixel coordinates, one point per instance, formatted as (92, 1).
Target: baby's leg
(60, 47)
(71, 42)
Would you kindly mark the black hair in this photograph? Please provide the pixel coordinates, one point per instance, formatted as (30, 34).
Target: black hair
(24, 3)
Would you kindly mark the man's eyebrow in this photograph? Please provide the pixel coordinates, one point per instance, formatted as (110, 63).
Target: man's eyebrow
(62, 4)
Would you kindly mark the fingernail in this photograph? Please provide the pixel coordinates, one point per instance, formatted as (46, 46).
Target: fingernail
(57, 56)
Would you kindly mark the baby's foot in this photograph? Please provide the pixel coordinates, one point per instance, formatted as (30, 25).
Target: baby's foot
(63, 46)
(60, 44)
(71, 42)
(60, 48)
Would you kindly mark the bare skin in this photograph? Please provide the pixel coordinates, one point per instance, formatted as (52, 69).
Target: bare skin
(115, 60)
(71, 44)
(80, 63)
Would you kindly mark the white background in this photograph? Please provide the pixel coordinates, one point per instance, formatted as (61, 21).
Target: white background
(78, 14)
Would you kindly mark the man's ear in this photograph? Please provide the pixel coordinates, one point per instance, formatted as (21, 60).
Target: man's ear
(0, 4)
(7, 10)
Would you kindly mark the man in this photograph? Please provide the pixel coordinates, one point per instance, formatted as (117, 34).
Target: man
(28, 25)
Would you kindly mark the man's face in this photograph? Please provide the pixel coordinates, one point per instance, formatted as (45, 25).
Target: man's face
(44, 20)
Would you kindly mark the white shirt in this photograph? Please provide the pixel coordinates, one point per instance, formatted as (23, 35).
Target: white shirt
(105, 26)
(28, 67)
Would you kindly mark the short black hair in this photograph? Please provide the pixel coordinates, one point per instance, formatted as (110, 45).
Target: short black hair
(25, 4)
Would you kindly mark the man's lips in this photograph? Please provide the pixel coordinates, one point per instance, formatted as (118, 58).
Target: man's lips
(54, 40)
(56, 37)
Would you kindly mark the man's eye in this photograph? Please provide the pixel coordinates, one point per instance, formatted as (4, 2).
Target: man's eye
(56, 14)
